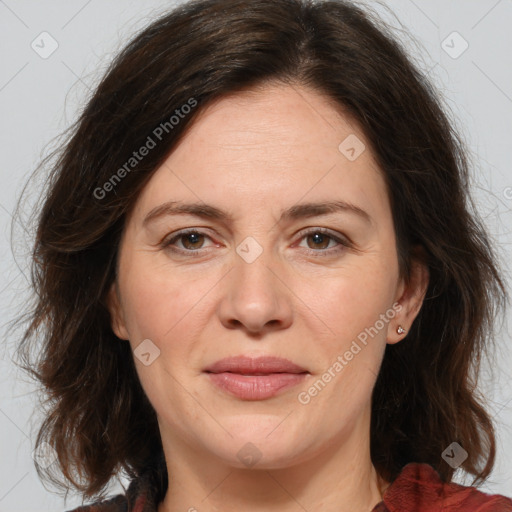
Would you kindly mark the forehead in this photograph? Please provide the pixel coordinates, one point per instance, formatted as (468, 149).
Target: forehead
(273, 118)
(266, 147)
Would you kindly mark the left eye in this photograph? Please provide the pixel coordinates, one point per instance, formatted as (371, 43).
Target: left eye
(320, 240)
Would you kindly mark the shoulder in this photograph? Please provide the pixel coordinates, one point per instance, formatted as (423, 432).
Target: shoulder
(419, 488)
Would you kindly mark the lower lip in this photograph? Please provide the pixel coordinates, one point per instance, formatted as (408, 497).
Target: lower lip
(256, 387)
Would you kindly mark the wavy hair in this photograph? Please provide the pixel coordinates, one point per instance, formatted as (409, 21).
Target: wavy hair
(97, 416)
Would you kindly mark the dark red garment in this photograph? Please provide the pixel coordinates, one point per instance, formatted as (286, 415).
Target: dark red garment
(418, 488)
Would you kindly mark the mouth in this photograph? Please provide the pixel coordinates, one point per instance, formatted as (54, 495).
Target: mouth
(263, 365)
(255, 378)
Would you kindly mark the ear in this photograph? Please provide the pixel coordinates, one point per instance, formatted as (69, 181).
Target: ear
(410, 296)
(116, 313)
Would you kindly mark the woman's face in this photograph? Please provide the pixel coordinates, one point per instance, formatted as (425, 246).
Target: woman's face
(262, 275)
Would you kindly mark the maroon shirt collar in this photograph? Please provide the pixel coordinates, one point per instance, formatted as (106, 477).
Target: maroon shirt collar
(419, 488)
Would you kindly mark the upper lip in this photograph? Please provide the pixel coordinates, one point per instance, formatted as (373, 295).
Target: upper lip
(262, 365)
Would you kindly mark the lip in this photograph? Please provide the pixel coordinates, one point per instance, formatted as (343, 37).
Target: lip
(246, 365)
(255, 378)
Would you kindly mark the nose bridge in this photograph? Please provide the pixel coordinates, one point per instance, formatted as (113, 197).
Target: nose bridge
(256, 296)
(253, 278)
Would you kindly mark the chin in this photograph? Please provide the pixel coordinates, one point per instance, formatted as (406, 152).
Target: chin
(260, 446)
(261, 455)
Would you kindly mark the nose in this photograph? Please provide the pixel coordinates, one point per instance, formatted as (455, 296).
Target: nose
(256, 296)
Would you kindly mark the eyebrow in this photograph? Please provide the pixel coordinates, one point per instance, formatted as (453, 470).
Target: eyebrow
(296, 212)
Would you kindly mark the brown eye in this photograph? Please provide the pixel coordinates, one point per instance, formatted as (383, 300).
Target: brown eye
(192, 240)
(319, 240)
(187, 243)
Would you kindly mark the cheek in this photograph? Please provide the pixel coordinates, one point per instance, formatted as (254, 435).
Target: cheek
(353, 299)
(352, 306)
(163, 303)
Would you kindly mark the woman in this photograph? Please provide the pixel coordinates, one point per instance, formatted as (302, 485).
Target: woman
(260, 285)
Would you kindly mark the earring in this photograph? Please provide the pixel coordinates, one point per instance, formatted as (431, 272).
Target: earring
(400, 330)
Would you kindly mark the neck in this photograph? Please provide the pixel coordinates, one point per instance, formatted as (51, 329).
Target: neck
(338, 478)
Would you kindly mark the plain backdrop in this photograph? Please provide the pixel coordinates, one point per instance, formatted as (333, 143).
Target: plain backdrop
(463, 45)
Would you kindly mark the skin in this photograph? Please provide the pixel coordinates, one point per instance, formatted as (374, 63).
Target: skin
(254, 154)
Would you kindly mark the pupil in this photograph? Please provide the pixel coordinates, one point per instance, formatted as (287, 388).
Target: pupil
(192, 239)
(319, 240)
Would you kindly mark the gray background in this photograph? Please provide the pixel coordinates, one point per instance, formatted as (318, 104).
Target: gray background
(40, 97)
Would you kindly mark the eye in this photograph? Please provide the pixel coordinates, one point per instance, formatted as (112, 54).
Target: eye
(191, 240)
(320, 239)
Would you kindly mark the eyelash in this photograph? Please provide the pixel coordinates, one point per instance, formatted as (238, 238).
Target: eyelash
(343, 243)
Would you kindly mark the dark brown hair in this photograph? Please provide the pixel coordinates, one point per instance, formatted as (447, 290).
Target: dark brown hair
(98, 418)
